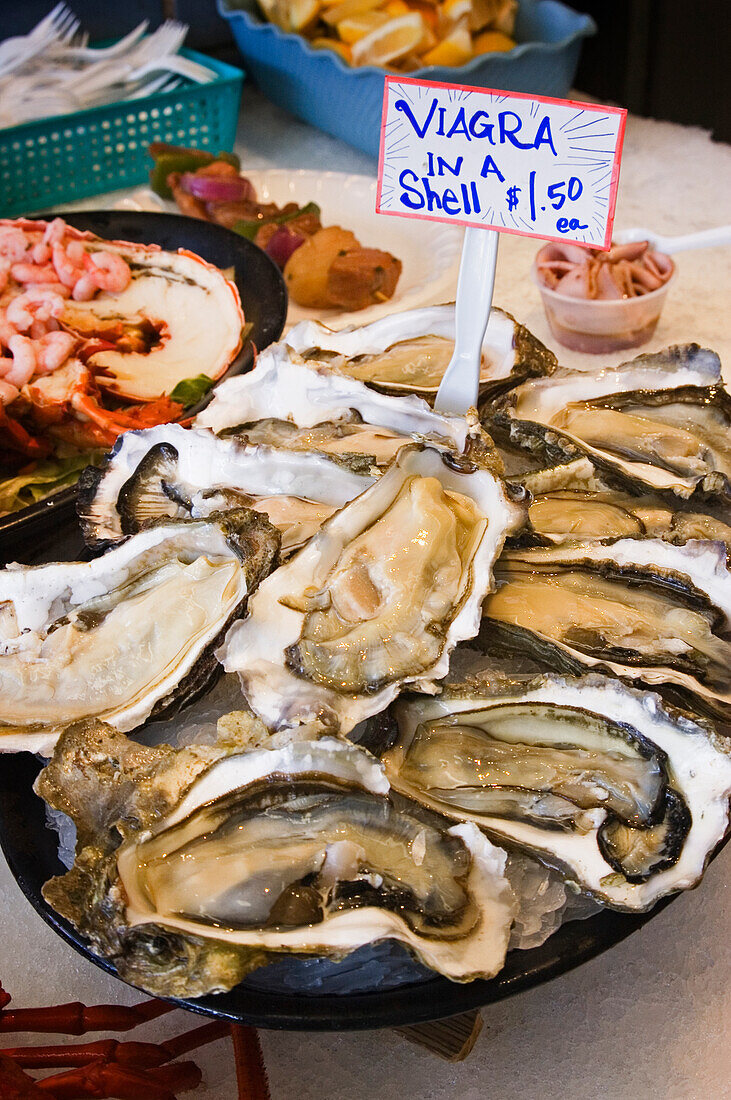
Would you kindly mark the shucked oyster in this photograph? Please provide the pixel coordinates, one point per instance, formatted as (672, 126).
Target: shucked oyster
(642, 609)
(379, 597)
(625, 797)
(170, 472)
(127, 635)
(662, 421)
(573, 501)
(409, 352)
(309, 394)
(229, 859)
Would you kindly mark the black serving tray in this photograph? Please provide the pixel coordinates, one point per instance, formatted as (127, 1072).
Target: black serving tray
(263, 297)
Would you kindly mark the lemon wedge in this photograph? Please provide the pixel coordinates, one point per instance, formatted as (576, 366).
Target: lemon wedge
(394, 39)
(346, 9)
(492, 42)
(453, 50)
(332, 44)
(356, 27)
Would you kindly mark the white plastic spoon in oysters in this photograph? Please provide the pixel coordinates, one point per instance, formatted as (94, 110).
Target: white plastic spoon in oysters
(460, 385)
(706, 238)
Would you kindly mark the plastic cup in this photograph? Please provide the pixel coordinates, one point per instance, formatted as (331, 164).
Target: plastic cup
(600, 325)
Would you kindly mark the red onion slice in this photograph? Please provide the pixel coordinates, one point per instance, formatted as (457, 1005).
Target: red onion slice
(217, 188)
(282, 244)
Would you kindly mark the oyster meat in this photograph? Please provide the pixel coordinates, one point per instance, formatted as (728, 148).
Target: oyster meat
(640, 608)
(127, 635)
(225, 863)
(662, 421)
(626, 798)
(409, 352)
(379, 597)
(173, 472)
(572, 502)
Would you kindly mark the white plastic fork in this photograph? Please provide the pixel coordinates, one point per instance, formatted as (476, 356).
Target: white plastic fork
(102, 53)
(173, 63)
(706, 238)
(60, 25)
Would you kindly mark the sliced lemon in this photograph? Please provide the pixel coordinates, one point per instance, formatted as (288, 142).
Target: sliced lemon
(333, 44)
(355, 28)
(492, 42)
(302, 14)
(394, 39)
(452, 10)
(453, 50)
(348, 8)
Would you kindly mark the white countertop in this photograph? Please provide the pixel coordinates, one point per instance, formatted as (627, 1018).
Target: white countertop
(648, 1019)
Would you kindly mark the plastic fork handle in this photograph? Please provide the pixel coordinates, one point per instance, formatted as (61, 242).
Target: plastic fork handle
(706, 238)
(461, 382)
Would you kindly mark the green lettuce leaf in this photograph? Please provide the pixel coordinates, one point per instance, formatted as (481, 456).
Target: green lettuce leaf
(43, 480)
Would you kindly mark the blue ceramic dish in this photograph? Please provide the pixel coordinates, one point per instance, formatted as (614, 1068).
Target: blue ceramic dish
(317, 86)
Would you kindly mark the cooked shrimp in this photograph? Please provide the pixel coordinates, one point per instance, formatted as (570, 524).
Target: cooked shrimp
(8, 392)
(6, 329)
(68, 270)
(110, 271)
(37, 304)
(85, 288)
(52, 350)
(22, 367)
(55, 231)
(13, 243)
(4, 273)
(41, 253)
(34, 273)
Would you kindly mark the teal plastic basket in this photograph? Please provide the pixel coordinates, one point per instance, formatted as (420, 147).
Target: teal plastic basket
(73, 156)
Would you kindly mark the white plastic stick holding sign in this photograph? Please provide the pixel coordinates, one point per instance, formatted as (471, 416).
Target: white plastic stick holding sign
(460, 385)
(499, 161)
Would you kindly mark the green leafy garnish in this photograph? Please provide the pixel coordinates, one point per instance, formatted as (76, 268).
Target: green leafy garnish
(190, 390)
(46, 477)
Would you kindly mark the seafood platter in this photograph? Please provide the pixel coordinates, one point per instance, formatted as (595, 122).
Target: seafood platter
(430, 695)
(103, 317)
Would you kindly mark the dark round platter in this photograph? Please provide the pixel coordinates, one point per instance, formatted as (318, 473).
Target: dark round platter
(263, 297)
(31, 850)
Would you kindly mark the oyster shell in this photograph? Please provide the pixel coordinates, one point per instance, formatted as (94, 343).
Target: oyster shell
(627, 798)
(127, 635)
(408, 352)
(308, 394)
(228, 859)
(661, 421)
(640, 608)
(379, 597)
(169, 471)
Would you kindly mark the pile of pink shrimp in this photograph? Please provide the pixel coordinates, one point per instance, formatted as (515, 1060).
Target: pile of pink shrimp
(38, 272)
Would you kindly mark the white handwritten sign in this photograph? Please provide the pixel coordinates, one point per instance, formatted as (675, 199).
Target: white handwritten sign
(500, 160)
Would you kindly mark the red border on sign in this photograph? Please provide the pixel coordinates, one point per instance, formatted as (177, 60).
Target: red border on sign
(616, 163)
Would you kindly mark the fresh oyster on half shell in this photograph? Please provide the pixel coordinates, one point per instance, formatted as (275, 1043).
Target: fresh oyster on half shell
(627, 798)
(228, 859)
(379, 597)
(661, 422)
(172, 472)
(409, 352)
(642, 609)
(574, 501)
(126, 635)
